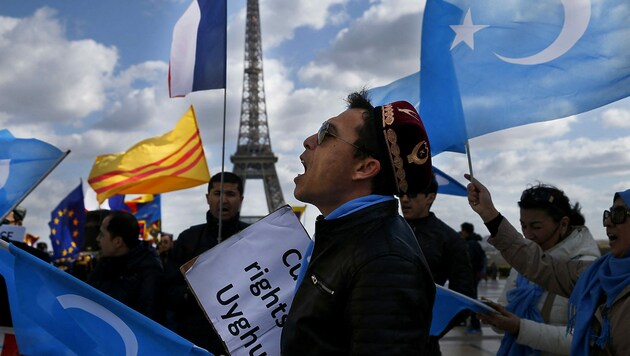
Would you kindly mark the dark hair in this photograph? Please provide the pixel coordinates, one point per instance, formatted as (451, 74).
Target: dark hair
(468, 227)
(368, 139)
(553, 202)
(228, 177)
(125, 225)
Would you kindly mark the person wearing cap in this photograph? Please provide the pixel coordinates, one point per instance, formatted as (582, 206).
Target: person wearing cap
(190, 320)
(446, 252)
(367, 288)
(127, 270)
(598, 291)
(534, 319)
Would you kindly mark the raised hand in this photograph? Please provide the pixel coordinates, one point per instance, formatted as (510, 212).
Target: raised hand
(480, 200)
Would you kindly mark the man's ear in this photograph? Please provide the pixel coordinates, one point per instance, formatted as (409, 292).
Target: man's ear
(118, 242)
(366, 168)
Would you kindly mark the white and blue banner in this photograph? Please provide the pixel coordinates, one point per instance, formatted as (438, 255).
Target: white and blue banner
(245, 284)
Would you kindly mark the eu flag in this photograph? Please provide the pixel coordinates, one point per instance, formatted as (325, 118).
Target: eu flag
(66, 225)
(23, 164)
(487, 66)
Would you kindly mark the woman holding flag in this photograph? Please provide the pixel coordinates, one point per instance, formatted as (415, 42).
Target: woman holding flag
(534, 319)
(599, 291)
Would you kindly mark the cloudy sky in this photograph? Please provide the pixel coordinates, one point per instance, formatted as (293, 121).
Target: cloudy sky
(91, 76)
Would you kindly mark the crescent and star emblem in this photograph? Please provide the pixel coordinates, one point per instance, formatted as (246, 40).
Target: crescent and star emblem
(419, 154)
(68, 301)
(577, 14)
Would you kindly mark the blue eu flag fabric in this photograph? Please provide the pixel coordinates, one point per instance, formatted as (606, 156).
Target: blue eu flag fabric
(66, 225)
(488, 65)
(23, 164)
(56, 314)
(148, 211)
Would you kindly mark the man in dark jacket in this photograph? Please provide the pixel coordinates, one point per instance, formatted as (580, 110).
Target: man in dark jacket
(446, 252)
(127, 270)
(367, 288)
(191, 322)
(478, 260)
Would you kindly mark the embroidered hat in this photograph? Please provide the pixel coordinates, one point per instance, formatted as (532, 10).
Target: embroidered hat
(400, 130)
(625, 195)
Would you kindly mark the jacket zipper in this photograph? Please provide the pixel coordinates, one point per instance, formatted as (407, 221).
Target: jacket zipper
(321, 285)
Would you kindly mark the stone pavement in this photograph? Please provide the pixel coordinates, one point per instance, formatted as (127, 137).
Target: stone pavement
(458, 343)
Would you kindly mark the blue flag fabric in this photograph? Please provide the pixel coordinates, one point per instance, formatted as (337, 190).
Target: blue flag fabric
(406, 88)
(117, 202)
(66, 225)
(495, 67)
(148, 211)
(483, 70)
(448, 304)
(23, 163)
(199, 47)
(448, 185)
(57, 314)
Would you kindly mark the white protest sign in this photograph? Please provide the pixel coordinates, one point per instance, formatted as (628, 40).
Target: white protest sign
(12, 232)
(246, 283)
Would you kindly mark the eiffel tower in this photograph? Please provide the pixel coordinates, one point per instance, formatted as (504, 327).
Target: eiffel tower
(254, 158)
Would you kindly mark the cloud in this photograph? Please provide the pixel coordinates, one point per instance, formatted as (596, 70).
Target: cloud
(616, 118)
(363, 52)
(47, 78)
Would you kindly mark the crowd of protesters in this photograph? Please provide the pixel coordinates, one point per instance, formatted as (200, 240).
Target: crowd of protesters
(364, 254)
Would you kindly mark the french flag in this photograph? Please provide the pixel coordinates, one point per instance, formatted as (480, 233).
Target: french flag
(198, 51)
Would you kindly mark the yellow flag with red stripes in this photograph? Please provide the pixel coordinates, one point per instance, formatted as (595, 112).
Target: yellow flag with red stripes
(173, 161)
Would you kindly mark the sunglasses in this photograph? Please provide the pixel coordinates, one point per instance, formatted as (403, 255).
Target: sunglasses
(324, 130)
(616, 214)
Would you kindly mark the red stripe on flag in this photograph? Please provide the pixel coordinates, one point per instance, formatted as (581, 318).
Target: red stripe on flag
(157, 170)
(104, 176)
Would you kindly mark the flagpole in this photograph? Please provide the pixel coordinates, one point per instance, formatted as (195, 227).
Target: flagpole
(222, 164)
(65, 154)
(470, 169)
(4, 244)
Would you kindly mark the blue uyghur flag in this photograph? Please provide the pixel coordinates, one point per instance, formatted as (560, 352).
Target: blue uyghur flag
(23, 163)
(406, 88)
(496, 65)
(57, 314)
(448, 185)
(448, 304)
(66, 225)
(199, 47)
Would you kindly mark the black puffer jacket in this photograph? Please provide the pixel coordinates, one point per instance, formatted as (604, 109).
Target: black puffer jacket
(133, 279)
(367, 289)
